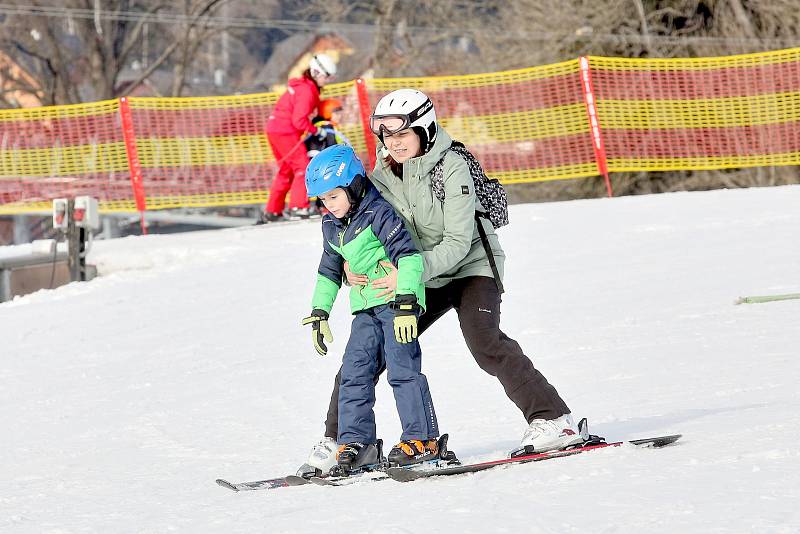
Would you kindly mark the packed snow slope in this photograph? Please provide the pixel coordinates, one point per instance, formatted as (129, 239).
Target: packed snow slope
(123, 399)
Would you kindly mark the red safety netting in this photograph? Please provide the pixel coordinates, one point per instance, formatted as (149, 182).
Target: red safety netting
(586, 117)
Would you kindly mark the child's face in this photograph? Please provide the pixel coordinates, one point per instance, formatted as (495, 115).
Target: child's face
(336, 202)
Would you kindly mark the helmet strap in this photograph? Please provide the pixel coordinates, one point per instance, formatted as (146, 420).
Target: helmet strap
(356, 191)
(425, 138)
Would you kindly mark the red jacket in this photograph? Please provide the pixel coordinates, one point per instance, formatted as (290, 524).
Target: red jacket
(293, 109)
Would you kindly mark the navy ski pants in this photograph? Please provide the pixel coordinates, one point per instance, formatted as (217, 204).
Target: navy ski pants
(371, 348)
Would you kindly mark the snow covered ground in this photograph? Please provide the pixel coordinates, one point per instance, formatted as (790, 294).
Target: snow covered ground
(122, 399)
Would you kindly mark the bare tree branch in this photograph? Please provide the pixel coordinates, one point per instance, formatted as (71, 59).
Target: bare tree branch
(84, 58)
(150, 69)
(136, 32)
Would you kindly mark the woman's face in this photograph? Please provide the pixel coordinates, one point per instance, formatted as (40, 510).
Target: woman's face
(402, 145)
(321, 78)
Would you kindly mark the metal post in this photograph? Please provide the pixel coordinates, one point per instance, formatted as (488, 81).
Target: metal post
(73, 243)
(82, 232)
(22, 230)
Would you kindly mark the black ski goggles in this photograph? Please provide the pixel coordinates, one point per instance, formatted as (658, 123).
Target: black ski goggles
(393, 123)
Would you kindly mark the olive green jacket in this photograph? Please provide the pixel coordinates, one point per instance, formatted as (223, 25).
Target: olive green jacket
(446, 232)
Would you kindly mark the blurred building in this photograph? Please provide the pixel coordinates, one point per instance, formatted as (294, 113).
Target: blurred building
(290, 58)
(12, 76)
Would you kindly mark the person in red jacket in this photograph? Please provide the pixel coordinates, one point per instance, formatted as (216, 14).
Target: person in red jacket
(287, 127)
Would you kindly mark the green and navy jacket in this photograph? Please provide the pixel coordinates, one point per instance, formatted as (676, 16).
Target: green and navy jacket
(373, 233)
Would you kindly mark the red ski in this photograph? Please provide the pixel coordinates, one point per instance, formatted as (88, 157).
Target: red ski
(403, 474)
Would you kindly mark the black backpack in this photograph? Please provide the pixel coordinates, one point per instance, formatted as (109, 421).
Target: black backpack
(490, 194)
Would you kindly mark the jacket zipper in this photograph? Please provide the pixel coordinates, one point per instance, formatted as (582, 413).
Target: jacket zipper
(361, 292)
(341, 246)
(410, 207)
(341, 234)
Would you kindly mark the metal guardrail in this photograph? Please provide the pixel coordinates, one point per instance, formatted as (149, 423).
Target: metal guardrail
(27, 272)
(30, 258)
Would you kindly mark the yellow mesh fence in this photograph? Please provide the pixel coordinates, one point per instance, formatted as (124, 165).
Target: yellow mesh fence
(525, 126)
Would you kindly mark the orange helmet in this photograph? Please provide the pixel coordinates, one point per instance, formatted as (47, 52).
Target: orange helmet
(328, 106)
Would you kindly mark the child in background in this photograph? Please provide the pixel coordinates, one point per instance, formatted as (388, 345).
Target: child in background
(327, 119)
(329, 113)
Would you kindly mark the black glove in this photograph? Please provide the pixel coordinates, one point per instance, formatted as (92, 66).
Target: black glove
(320, 331)
(405, 318)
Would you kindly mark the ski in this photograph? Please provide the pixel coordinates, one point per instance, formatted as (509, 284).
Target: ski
(376, 472)
(408, 474)
(358, 478)
(442, 467)
(296, 480)
(336, 477)
(271, 483)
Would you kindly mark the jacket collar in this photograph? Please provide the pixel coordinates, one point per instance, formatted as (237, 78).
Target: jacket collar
(302, 80)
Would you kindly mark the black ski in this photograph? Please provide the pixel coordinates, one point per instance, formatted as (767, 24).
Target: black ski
(376, 472)
(254, 485)
(357, 478)
(402, 474)
(337, 477)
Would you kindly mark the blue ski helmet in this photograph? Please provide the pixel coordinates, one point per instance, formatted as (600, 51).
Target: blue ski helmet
(336, 166)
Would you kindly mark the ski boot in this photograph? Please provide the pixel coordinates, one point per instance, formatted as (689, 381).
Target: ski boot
(321, 460)
(268, 217)
(298, 214)
(355, 458)
(551, 434)
(413, 452)
(570, 437)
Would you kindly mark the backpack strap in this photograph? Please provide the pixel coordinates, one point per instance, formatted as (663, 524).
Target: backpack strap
(438, 191)
(488, 249)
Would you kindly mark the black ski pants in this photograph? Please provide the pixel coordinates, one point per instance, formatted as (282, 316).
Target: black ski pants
(476, 300)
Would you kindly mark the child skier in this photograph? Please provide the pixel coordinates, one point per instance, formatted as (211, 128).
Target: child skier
(363, 229)
(327, 120)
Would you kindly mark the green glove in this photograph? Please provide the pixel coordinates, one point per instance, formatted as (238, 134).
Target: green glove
(320, 331)
(405, 318)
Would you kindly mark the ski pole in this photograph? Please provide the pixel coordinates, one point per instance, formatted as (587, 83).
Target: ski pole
(291, 151)
(766, 298)
(279, 162)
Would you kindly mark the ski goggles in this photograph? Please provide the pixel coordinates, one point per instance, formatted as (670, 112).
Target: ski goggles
(395, 122)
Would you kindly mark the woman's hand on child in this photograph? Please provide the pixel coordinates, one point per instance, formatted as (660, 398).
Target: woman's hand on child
(354, 279)
(388, 283)
(320, 330)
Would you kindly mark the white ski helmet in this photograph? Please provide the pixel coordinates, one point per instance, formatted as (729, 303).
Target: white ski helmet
(405, 108)
(322, 64)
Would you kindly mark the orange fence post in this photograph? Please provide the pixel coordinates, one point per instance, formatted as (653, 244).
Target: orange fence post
(133, 159)
(594, 125)
(364, 108)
